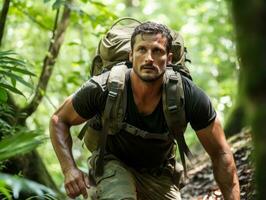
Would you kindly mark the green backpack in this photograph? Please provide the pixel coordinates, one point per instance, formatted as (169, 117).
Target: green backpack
(114, 47)
(112, 52)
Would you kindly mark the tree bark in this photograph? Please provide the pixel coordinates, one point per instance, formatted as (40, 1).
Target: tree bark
(49, 62)
(3, 19)
(249, 20)
(236, 120)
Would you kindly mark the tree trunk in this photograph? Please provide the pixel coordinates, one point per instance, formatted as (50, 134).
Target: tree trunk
(3, 18)
(31, 165)
(236, 120)
(249, 20)
(49, 62)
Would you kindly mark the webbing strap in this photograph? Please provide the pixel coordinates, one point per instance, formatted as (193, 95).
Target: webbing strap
(144, 134)
(174, 110)
(83, 131)
(112, 95)
(116, 83)
(183, 150)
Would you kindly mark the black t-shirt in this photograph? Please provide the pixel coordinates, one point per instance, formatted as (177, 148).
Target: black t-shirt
(136, 151)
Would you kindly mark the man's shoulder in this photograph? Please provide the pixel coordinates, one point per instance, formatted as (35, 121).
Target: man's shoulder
(96, 85)
(188, 84)
(186, 80)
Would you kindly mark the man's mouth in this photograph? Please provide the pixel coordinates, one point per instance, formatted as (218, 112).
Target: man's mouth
(151, 67)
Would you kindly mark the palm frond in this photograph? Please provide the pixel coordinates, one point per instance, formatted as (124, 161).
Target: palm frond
(12, 70)
(18, 184)
(22, 142)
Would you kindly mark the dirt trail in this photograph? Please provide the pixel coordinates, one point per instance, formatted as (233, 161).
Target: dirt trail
(201, 184)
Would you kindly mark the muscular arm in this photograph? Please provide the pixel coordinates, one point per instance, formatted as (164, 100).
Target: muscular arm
(61, 121)
(224, 169)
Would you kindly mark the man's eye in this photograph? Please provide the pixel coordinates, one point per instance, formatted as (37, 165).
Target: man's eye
(141, 49)
(158, 51)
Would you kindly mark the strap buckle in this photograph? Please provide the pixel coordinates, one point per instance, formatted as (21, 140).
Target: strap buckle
(112, 94)
(172, 108)
(113, 91)
(173, 78)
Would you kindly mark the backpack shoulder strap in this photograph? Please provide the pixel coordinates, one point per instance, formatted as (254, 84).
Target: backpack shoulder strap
(174, 111)
(113, 112)
(101, 81)
(117, 89)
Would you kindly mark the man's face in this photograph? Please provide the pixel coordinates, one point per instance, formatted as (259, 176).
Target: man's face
(149, 56)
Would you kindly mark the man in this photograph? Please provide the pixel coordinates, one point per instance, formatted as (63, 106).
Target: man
(137, 167)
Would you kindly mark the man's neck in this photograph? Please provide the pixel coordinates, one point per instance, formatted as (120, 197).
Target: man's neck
(146, 94)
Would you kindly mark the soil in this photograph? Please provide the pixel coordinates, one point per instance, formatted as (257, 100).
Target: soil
(200, 184)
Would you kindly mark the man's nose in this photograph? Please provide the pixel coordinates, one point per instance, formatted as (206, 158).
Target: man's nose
(149, 57)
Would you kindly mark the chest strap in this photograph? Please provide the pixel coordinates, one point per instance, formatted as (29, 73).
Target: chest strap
(144, 134)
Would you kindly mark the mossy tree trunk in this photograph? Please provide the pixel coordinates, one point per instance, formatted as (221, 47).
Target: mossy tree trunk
(236, 120)
(249, 21)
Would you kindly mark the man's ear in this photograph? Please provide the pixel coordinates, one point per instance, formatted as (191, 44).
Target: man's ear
(169, 58)
(130, 56)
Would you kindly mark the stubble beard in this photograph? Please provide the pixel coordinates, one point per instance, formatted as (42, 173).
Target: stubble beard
(147, 78)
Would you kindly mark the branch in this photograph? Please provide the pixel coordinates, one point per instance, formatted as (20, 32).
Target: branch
(49, 60)
(3, 18)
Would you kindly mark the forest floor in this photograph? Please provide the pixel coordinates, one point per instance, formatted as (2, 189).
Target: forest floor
(200, 184)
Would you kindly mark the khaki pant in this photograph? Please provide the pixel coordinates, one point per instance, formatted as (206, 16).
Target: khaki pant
(120, 182)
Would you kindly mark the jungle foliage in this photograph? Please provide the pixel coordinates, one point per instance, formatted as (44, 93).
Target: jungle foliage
(45, 55)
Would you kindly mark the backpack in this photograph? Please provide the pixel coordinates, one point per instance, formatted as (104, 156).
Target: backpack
(112, 52)
(114, 48)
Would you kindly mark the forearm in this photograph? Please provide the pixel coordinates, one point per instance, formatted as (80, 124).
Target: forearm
(75, 180)
(225, 174)
(62, 143)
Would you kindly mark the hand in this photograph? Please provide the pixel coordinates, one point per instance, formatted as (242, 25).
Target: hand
(76, 183)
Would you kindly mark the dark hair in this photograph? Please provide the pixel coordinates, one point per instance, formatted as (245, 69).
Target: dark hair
(152, 28)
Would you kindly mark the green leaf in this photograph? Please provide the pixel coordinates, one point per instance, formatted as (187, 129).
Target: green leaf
(4, 190)
(73, 43)
(15, 78)
(45, 1)
(3, 95)
(20, 70)
(11, 62)
(10, 88)
(98, 3)
(9, 52)
(18, 184)
(58, 3)
(14, 82)
(5, 128)
(7, 62)
(19, 143)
